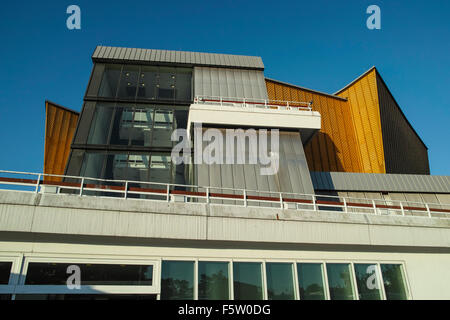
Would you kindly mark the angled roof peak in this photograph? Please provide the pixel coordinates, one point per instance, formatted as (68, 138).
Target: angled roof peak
(357, 79)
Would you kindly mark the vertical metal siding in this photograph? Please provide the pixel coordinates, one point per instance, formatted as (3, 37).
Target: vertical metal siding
(229, 83)
(334, 147)
(60, 125)
(362, 97)
(403, 149)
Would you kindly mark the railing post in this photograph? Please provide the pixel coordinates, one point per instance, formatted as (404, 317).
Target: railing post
(207, 194)
(428, 210)
(81, 186)
(314, 203)
(244, 102)
(168, 193)
(126, 189)
(281, 200)
(245, 198)
(38, 182)
(374, 207)
(345, 205)
(401, 208)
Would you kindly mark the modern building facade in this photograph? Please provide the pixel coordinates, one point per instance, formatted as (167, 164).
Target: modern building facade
(342, 207)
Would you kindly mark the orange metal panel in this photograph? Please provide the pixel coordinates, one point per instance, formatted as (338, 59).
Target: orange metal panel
(334, 147)
(60, 125)
(362, 97)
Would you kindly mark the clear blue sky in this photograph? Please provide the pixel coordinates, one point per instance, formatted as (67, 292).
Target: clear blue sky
(318, 44)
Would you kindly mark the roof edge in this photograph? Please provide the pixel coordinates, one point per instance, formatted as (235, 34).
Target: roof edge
(61, 107)
(356, 80)
(306, 89)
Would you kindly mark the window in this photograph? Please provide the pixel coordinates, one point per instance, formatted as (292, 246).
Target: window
(5, 272)
(128, 82)
(394, 282)
(177, 280)
(110, 81)
(136, 124)
(311, 281)
(280, 281)
(101, 122)
(368, 281)
(247, 278)
(340, 281)
(213, 280)
(45, 273)
(146, 83)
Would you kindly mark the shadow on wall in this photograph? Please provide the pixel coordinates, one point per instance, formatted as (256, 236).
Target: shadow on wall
(322, 154)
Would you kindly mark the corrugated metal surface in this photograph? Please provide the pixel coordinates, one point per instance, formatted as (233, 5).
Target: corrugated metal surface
(360, 182)
(229, 83)
(60, 125)
(362, 97)
(293, 175)
(105, 53)
(404, 151)
(335, 147)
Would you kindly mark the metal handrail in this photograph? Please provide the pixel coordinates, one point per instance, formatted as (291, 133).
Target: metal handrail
(266, 103)
(246, 196)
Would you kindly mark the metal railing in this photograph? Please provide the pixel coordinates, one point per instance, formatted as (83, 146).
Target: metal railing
(255, 103)
(156, 191)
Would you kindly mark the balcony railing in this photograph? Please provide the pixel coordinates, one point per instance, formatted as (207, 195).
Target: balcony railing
(155, 191)
(254, 103)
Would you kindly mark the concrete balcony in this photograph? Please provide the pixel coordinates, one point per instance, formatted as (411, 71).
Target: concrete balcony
(255, 113)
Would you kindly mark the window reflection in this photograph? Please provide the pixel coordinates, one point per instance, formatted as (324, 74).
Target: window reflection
(247, 277)
(213, 281)
(280, 281)
(177, 280)
(367, 281)
(340, 281)
(394, 282)
(310, 279)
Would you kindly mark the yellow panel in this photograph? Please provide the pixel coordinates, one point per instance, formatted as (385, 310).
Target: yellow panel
(362, 97)
(334, 147)
(60, 125)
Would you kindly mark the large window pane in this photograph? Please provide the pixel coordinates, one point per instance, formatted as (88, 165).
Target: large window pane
(128, 82)
(141, 129)
(99, 130)
(148, 80)
(93, 165)
(213, 281)
(166, 83)
(394, 282)
(43, 273)
(5, 271)
(280, 281)
(340, 281)
(310, 281)
(247, 278)
(177, 280)
(110, 81)
(163, 128)
(183, 84)
(122, 126)
(367, 281)
(160, 168)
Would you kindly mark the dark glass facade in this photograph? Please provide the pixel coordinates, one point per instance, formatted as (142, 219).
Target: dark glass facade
(125, 127)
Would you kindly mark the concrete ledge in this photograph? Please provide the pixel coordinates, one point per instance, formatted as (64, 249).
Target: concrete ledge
(75, 215)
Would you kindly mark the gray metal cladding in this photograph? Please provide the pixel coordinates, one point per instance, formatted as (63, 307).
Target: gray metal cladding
(133, 55)
(220, 82)
(404, 151)
(292, 177)
(373, 182)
